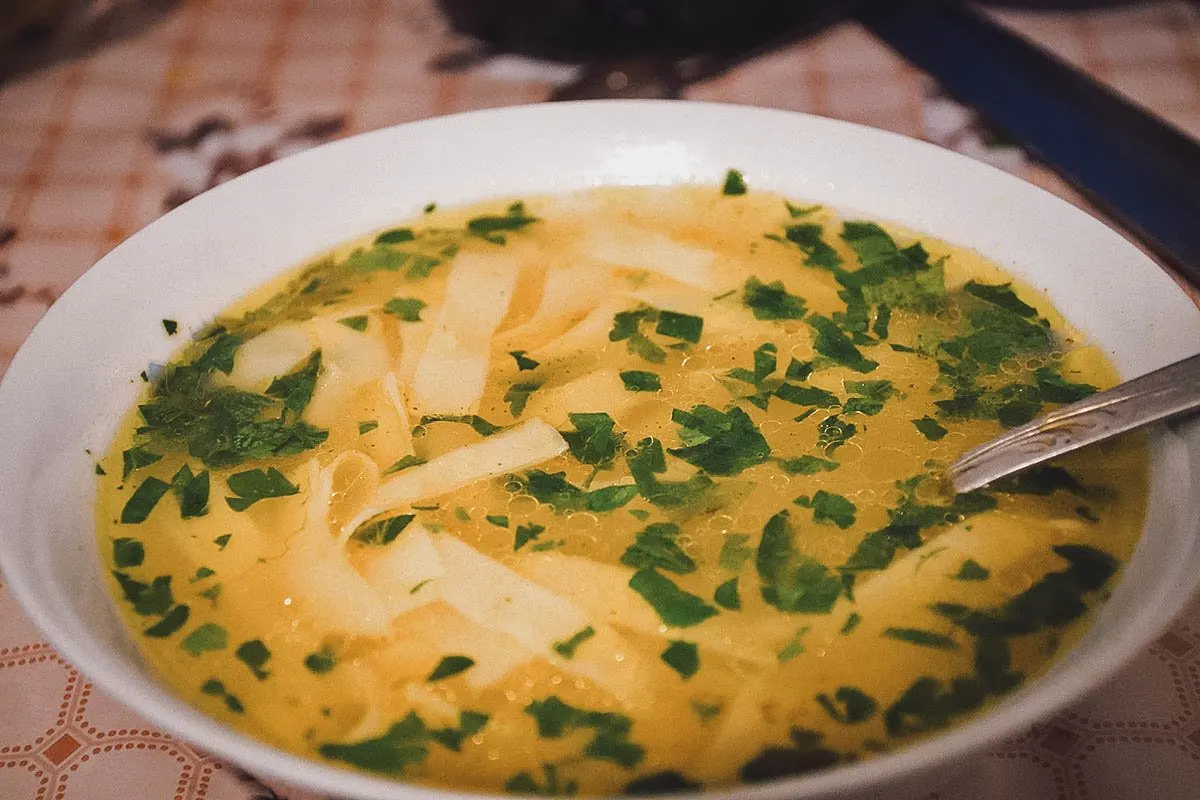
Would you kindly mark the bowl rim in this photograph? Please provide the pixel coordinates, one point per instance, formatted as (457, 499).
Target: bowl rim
(113, 674)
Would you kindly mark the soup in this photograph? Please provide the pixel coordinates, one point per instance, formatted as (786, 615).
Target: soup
(636, 489)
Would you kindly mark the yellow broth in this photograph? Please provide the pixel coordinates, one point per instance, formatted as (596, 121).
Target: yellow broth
(684, 527)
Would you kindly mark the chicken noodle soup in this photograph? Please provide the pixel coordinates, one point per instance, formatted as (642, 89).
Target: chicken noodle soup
(627, 490)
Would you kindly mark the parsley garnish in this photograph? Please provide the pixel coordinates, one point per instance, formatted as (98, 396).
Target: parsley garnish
(143, 500)
(492, 228)
(679, 326)
(1056, 389)
(222, 540)
(734, 552)
(517, 396)
(921, 638)
(396, 236)
(383, 531)
(174, 619)
(795, 647)
(683, 657)
(805, 755)
(818, 252)
(367, 426)
(832, 343)
(135, 458)
(404, 463)
(567, 649)
(851, 623)
(527, 533)
(726, 595)
(869, 396)
(829, 507)
(807, 465)
(321, 661)
(930, 428)
(215, 688)
(406, 308)
(296, 388)
(523, 361)
(593, 441)
(255, 484)
(1002, 296)
(771, 301)
(170, 326)
(191, 491)
(356, 323)
(719, 443)
(207, 637)
(498, 520)
(403, 745)
(555, 490)
(735, 183)
(791, 581)
(833, 432)
(656, 547)
(128, 552)
(640, 381)
(525, 783)
(902, 278)
(674, 606)
(972, 570)
(255, 655)
(610, 741)
(807, 396)
(849, 705)
(627, 328)
(646, 461)
(450, 666)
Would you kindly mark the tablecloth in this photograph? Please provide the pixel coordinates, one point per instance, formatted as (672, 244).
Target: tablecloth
(155, 102)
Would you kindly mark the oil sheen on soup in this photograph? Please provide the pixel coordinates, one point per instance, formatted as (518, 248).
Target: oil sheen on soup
(627, 490)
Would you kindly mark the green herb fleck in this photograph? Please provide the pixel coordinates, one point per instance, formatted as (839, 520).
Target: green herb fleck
(404, 463)
(832, 343)
(367, 426)
(679, 326)
(720, 443)
(355, 323)
(128, 552)
(143, 500)
(170, 326)
(384, 531)
(610, 740)
(492, 228)
(683, 657)
(848, 706)
(174, 619)
(655, 547)
(321, 661)
(726, 595)
(255, 655)
(795, 647)
(829, 507)
(477, 423)
(640, 381)
(851, 623)
(223, 540)
(523, 361)
(208, 636)
(930, 428)
(771, 301)
(255, 484)
(921, 638)
(793, 582)
(674, 606)
(517, 396)
(807, 465)
(972, 570)
(407, 309)
(567, 649)
(735, 183)
(527, 533)
(296, 388)
(450, 666)
(734, 552)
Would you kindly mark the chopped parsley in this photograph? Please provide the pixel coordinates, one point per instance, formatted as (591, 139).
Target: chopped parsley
(807, 396)
(726, 595)
(734, 552)
(356, 323)
(610, 730)
(640, 381)
(526, 783)
(450, 666)
(407, 309)
(321, 661)
(384, 531)
(771, 301)
(594, 440)
(829, 507)
(972, 570)
(921, 638)
(477, 423)
(296, 388)
(1002, 296)
(135, 458)
(143, 500)
(170, 326)
(255, 655)
(527, 533)
(205, 638)
(674, 606)
(127, 552)
(403, 745)
(851, 623)
(567, 648)
(404, 463)
(833, 432)
(818, 253)
(191, 491)
(795, 647)
(791, 581)
(720, 443)
(806, 465)
(867, 397)
(683, 657)
(627, 327)
(735, 183)
(848, 706)
(685, 327)
(655, 547)
(929, 428)
(517, 396)
(498, 520)
(646, 461)
(524, 362)
(492, 228)
(835, 345)
(222, 541)
(396, 236)
(255, 484)
(171, 622)
(554, 489)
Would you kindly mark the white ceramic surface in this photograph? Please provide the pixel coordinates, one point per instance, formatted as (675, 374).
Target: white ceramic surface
(77, 372)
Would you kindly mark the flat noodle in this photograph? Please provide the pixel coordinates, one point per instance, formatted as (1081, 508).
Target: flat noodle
(405, 573)
(451, 375)
(637, 248)
(525, 445)
(569, 293)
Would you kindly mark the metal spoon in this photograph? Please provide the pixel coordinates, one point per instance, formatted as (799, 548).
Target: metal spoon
(1161, 394)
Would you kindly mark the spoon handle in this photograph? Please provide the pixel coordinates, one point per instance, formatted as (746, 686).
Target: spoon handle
(1164, 393)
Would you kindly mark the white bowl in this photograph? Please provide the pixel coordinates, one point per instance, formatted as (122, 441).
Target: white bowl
(77, 373)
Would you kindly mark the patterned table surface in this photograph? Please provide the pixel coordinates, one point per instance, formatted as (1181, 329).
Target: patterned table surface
(177, 97)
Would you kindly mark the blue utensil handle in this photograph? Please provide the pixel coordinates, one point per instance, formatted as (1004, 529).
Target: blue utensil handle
(1137, 168)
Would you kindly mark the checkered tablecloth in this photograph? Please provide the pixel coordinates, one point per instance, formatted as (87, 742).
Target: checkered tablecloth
(172, 98)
